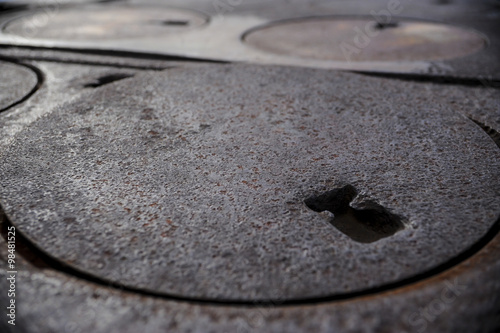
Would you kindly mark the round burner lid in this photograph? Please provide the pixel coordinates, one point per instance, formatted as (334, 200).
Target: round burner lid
(113, 22)
(374, 39)
(249, 183)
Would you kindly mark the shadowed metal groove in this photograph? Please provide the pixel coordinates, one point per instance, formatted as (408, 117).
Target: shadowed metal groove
(93, 63)
(124, 54)
(438, 79)
(39, 76)
(11, 7)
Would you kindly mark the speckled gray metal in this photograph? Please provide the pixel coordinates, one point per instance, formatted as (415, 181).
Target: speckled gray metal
(16, 81)
(62, 83)
(462, 299)
(191, 182)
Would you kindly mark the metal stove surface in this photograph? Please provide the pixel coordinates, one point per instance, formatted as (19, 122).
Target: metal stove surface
(203, 166)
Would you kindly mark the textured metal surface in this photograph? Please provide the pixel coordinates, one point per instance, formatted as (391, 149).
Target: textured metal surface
(62, 83)
(16, 82)
(441, 119)
(200, 192)
(325, 38)
(95, 23)
(462, 299)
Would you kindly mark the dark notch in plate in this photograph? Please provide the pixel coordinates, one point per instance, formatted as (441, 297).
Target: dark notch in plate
(362, 225)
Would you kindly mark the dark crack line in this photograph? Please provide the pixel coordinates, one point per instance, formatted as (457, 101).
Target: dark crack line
(45, 260)
(437, 79)
(493, 134)
(40, 77)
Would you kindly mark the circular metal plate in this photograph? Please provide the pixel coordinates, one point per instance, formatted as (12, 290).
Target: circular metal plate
(95, 23)
(198, 182)
(16, 82)
(340, 39)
